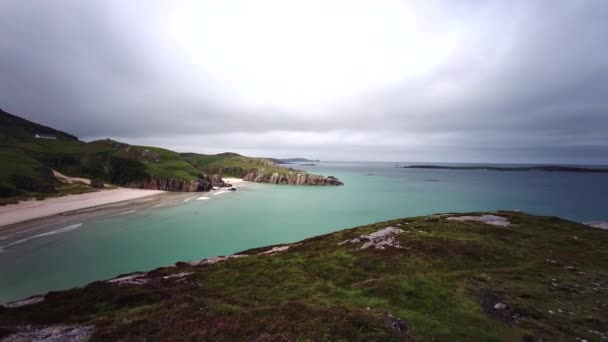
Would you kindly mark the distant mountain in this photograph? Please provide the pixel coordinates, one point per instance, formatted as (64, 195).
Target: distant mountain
(29, 152)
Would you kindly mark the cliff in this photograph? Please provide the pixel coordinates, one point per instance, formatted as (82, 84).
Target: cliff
(502, 276)
(291, 177)
(202, 183)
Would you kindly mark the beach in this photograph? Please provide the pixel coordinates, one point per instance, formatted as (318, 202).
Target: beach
(34, 209)
(233, 181)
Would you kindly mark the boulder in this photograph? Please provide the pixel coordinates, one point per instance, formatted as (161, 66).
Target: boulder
(97, 183)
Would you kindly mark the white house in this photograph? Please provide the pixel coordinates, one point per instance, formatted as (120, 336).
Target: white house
(45, 136)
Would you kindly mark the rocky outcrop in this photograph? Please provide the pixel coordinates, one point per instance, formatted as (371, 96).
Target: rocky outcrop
(218, 182)
(382, 239)
(298, 178)
(203, 183)
(97, 183)
(55, 333)
(487, 219)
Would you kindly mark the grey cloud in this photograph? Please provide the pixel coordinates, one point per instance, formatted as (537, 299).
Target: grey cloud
(527, 81)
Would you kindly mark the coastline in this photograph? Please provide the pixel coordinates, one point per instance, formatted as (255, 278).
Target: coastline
(34, 209)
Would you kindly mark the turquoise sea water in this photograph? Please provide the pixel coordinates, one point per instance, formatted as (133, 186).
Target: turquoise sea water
(82, 250)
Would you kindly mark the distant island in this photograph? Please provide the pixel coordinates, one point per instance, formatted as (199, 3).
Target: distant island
(549, 168)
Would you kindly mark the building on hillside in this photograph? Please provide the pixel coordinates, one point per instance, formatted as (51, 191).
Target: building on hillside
(45, 136)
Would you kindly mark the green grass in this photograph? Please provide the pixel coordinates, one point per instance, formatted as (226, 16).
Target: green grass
(29, 162)
(318, 290)
(232, 164)
(170, 164)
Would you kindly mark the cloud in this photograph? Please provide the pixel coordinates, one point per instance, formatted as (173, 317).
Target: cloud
(498, 81)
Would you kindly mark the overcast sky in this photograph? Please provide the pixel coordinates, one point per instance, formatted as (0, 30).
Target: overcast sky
(432, 81)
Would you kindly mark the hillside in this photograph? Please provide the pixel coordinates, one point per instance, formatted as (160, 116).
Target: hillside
(512, 277)
(28, 163)
(255, 169)
(14, 127)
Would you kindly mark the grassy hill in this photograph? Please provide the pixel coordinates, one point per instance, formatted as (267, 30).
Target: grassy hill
(425, 279)
(28, 163)
(232, 164)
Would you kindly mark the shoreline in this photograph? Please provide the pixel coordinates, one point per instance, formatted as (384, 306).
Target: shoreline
(35, 209)
(24, 211)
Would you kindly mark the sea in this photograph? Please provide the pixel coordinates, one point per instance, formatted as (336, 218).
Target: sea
(72, 250)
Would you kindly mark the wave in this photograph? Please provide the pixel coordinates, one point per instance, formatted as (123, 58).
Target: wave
(219, 192)
(127, 212)
(202, 198)
(52, 232)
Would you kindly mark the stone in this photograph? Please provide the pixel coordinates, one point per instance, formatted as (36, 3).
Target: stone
(214, 260)
(97, 183)
(29, 301)
(57, 333)
(379, 240)
(131, 279)
(500, 306)
(396, 324)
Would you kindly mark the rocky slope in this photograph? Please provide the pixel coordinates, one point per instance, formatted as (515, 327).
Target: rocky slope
(201, 183)
(291, 177)
(256, 170)
(504, 276)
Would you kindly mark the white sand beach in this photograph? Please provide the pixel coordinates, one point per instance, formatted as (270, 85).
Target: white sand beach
(233, 181)
(33, 209)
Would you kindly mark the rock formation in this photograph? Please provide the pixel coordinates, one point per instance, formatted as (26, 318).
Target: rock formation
(292, 177)
(203, 183)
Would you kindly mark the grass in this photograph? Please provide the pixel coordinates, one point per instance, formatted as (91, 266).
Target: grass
(232, 164)
(552, 274)
(28, 162)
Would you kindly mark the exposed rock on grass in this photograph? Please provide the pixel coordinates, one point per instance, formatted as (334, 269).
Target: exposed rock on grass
(29, 301)
(382, 239)
(131, 279)
(276, 249)
(397, 325)
(492, 305)
(487, 219)
(435, 217)
(58, 333)
(214, 260)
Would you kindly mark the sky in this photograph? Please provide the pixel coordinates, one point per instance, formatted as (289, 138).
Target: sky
(518, 81)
